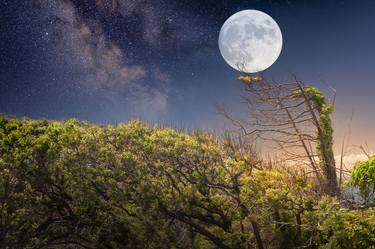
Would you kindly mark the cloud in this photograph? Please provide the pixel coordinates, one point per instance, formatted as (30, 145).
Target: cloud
(350, 159)
(149, 13)
(83, 44)
(162, 23)
(149, 103)
(159, 75)
(108, 7)
(82, 31)
(133, 73)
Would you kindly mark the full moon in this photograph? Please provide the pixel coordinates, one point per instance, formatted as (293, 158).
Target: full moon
(250, 41)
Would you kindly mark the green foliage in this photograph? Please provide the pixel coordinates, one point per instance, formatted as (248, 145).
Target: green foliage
(363, 177)
(72, 184)
(345, 229)
(324, 134)
(315, 95)
(247, 79)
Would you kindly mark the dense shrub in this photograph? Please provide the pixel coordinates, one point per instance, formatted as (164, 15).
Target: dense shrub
(364, 178)
(72, 184)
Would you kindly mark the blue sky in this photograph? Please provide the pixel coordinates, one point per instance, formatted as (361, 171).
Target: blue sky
(111, 61)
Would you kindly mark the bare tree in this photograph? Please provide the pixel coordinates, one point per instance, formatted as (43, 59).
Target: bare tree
(295, 119)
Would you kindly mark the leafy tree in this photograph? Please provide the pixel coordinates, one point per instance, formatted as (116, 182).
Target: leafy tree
(72, 184)
(296, 119)
(345, 229)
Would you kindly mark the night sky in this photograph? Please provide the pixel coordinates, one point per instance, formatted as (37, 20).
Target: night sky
(109, 61)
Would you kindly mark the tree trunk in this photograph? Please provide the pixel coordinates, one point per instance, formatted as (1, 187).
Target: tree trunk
(257, 234)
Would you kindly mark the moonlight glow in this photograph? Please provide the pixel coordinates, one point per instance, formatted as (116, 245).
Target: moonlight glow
(250, 41)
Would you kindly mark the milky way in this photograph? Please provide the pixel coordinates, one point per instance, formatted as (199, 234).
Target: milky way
(120, 54)
(109, 61)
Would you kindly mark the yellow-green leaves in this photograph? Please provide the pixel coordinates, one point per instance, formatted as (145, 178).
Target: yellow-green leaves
(363, 177)
(140, 186)
(249, 79)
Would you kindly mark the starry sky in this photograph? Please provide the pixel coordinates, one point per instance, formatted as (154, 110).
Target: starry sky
(109, 61)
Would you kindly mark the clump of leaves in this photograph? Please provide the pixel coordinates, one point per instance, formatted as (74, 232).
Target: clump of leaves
(363, 177)
(247, 79)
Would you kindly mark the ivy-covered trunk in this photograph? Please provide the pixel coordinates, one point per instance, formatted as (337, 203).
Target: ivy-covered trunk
(296, 119)
(321, 112)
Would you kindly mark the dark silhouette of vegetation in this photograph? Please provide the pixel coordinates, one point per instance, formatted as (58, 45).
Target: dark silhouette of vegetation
(71, 184)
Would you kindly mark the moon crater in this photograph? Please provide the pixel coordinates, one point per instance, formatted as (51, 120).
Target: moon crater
(250, 41)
